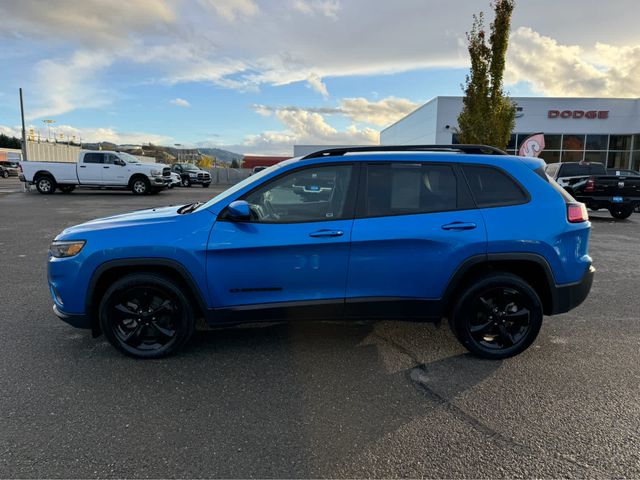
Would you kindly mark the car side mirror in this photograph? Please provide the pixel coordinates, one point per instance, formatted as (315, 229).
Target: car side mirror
(239, 211)
(120, 162)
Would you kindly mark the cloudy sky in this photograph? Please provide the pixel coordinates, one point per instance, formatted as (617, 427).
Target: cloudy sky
(259, 75)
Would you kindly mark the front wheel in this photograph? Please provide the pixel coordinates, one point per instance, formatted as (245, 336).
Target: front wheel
(5, 174)
(498, 316)
(146, 316)
(205, 185)
(140, 186)
(621, 212)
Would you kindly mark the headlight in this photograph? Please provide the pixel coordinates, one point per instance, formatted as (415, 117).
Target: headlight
(155, 172)
(63, 249)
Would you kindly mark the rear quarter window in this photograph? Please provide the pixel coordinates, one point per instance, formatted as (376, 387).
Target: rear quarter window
(491, 187)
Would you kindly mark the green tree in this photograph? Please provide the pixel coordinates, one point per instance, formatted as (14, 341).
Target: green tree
(9, 142)
(234, 164)
(488, 115)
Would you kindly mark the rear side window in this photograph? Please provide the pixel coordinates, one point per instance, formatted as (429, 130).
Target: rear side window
(577, 170)
(492, 187)
(93, 157)
(405, 189)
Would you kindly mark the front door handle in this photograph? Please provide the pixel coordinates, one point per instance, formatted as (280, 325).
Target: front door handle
(459, 226)
(327, 233)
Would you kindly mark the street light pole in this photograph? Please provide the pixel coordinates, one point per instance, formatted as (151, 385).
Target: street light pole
(24, 132)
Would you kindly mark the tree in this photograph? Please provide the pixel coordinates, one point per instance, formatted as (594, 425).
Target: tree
(235, 164)
(9, 142)
(206, 162)
(488, 116)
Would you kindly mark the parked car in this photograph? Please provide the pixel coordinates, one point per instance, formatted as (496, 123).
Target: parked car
(255, 170)
(176, 180)
(488, 241)
(12, 168)
(101, 169)
(590, 184)
(192, 175)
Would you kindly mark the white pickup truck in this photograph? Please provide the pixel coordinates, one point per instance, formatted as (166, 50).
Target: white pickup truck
(97, 169)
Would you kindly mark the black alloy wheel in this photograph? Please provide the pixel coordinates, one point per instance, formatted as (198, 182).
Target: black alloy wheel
(498, 316)
(146, 316)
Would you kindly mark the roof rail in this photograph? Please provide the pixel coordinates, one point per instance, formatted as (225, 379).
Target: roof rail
(471, 149)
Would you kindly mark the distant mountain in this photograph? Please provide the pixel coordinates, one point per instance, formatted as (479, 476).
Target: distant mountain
(221, 155)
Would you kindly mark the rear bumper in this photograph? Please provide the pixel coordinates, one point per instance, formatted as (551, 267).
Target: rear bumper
(75, 320)
(568, 297)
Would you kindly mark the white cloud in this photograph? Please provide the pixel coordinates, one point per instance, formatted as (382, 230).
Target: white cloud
(328, 8)
(316, 83)
(180, 102)
(230, 10)
(361, 110)
(61, 86)
(90, 135)
(571, 70)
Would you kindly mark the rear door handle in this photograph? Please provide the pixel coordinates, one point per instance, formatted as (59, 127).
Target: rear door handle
(459, 226)
(83, 166)
(326, 233)
(105, 167)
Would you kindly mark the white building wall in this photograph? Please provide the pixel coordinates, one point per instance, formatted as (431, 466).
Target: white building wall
(417, 128)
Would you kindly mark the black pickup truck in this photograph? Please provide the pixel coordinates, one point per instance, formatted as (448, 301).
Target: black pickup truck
(591, 184)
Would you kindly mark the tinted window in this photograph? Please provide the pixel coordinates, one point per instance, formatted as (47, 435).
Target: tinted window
(492, 187)
(305, 195)
(576, 170)
(403, 189)
(93, 157)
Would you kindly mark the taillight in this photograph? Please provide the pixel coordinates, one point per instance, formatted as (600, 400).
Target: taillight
(577, 212)
(590, 186)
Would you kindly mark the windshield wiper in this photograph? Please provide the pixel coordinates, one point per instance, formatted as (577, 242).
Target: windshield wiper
(189, 208)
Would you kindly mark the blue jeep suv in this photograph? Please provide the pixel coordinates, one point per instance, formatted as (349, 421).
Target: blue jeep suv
(461, 232)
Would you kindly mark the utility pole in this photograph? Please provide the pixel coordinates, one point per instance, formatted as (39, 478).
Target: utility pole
(24, 132)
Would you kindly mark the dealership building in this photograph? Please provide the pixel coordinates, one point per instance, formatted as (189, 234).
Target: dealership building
(603, 130)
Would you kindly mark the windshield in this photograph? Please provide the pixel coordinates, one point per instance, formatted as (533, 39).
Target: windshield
(128, 158)
(187, 167)
(246, 182)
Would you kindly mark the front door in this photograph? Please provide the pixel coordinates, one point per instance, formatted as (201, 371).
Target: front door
(293, 252)
(415, 224)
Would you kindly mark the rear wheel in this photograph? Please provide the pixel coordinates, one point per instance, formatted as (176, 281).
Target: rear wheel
(186, 182)
(140, 186)
(45, 184)
(621, 212)
(146, 316)
(498, 316)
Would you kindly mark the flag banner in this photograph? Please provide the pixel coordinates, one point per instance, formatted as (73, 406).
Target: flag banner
(532, 145)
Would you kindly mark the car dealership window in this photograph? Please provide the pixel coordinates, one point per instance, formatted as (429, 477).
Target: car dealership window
(305, 195)
(404, 189)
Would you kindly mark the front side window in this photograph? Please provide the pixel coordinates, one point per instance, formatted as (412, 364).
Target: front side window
(405, 189)
(305, 195)
(491, 187)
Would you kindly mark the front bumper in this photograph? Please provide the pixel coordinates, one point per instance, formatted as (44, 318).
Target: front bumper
(568, 297)
(75, 320)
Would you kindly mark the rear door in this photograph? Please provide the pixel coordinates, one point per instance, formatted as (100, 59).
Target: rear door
(90, 168)
(415, 224)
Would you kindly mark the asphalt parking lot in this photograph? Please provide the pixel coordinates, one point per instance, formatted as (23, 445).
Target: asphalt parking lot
(386, 399)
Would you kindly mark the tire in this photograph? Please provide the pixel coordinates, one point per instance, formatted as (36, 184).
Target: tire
(5, 174)
(140, 186)
(621, 212)
(498, 316)
(67, 188)
(186, 182)
(594, 209)
(146, 315)
(205, 185)
(46, 185)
